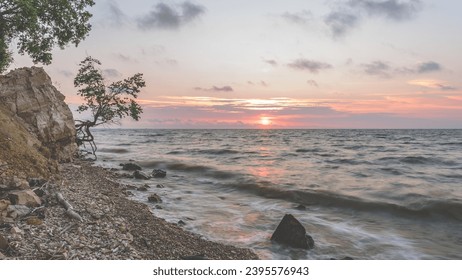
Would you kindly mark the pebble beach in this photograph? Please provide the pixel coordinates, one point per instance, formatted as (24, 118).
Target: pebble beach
(113, 226)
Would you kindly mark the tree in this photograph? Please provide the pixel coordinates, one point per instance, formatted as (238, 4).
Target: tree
(107, 104)
(40, 25)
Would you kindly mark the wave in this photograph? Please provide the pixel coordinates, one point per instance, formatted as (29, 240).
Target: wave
(315, 150)
(218, 151)
(451, 209)
(114, 150)
(201, 170)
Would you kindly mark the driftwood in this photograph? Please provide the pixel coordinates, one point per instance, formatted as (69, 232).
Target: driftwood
(69, 209)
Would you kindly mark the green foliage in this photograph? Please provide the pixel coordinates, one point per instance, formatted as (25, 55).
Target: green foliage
(39, 25)
(107, 103)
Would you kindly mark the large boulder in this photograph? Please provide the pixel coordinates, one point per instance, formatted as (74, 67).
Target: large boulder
(292, 233)
(31, 97)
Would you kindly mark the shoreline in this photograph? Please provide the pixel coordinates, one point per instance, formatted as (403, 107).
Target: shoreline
(114, 227)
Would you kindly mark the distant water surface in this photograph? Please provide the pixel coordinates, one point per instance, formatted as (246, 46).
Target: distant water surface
(366, 194)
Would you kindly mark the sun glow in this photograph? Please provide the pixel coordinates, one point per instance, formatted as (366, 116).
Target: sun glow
(265, 121)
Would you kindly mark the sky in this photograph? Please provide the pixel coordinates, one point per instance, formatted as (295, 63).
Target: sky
(278, 64)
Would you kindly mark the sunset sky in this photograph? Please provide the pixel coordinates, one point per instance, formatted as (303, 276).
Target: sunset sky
(279, 64)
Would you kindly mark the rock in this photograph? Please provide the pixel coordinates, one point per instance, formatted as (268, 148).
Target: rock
(17, 211)
(28, 198)
(154, 198)
(160, 186)
(37, 182)
(300, 207)
(158, 173)
(158, 207)
(130, 166)
(6, 220)
(16, 230)
(4, 204)
(34, 221)
(31, 97)
(2, 256)
(3, 242)
(181, 223)
(140, 175)
(18, 184)
(142, 189)
(292, 233)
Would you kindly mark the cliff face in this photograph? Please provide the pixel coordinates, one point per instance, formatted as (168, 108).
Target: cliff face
(28, 95)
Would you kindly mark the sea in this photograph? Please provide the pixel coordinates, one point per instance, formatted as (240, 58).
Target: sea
(361, 194)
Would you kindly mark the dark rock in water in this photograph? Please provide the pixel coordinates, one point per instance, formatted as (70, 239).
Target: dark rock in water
(159, 207)
(181, 223)
(142, 189)
(291, 232)
(195, 257)
(154, 198)
(158, 173)
(160, 186)
(140, 175)
(130, 166)
(301, 207)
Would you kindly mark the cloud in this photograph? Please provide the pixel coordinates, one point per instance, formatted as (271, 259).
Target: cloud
(385, 70)
(113, 73)
(302, 18)
(309, 65)
(432, 84)
(312, 83)
(164, 16)
(124, 58)
(66, 73)
(116, 16)
(271, 62)
(429, 66)
(347, 15)
(341, 22)
(215, 88)
(377, 68)
(390, 9)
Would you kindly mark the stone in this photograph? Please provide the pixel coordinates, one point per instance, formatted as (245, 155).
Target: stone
(154, 198)
(4, 204)
(142, 189)
(17, 211)
(34, 221)
(130, 166)
(28, 198)
(2, 256)
(181, 223)
(160, 186)
(158, 173)
(291, 232)
(140, 175)
(3, 242)
(37, 182)
(6, 220)
(19, 184)
(29, 94)
(300, 207)
(16, 230)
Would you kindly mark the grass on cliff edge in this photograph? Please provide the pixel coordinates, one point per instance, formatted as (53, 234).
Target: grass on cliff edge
(19, 154)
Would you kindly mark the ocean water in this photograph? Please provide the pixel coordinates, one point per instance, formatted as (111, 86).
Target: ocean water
(366, 194)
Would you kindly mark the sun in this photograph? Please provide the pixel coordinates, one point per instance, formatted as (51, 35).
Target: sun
(265, 121)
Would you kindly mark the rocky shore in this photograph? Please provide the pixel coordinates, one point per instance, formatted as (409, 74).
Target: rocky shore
(74, 210)
(112, 227)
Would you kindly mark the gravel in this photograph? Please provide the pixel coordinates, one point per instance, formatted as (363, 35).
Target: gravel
(113, 227)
